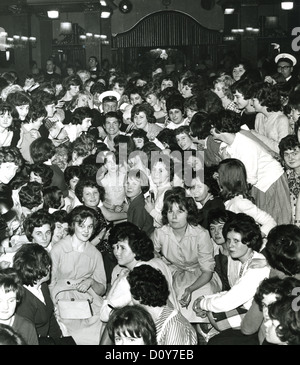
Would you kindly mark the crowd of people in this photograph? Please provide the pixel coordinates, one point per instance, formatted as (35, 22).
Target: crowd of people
(158, 209)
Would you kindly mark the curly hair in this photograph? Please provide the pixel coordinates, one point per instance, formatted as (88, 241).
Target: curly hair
(32, 263)
(30, 195)
(289, 142)
(148, 285)
(227, 121)
(177, 195)
(52, 197)
(247, 227)
(267, 95)
(80, 114)
(288, 329)
(88, 183)
(11, 154)
(78, 215)
(200, 125)
(139, 242)
(145, 108)
(37, 219)
(282, 249)
(280, 287)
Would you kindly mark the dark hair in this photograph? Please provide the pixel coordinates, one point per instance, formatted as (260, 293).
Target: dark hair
(52, 197)
(281, 287)
(8, 336)
(289, 142)
(200, 125)
(233, 179)
(115, 115)
(10, 281)
(140, 133)
(80, 113)
(11, 154)
(175, 102)
(88, 183)
(42, 149)
(267, 95)
(177, 195)
(288, 329)
(78, 215)
(167, 137)
(148, 285)
(30, 195)
(247, 227)
(219, 216)
(134, 321)
(227, 121)
(145, 108)
(37, 219)
(60, 216)
(282, 249)
(43, 171)
(243, 86)
(32, 263)
(71, 172)
(138, 240)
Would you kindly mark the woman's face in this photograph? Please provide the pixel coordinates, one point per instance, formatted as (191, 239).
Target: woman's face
(7, 171)
(85, 124)
(119, 89)
(215, 230)
(166, 83)
(238, 72)
(198, 190)
(133, 187)
(160, 174)
(123, 253)
(8, 303)
(84, 230)
(218, 89)
(140, 120)
(23, 111)
(124, 338)
(177, 217)
(139, 142)
(271, 335)
(61, 230)
(256, 105)
(186, 91)
(42, 235)
(292, 158)
(73, 182)
(152, 99)
(74, 90)
(176, 116)
(91, 197)
(135, 99)
(184, 141)
(5, 120)
(236, 248)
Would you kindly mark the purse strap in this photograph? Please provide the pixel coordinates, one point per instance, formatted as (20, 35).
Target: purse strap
(68, 285)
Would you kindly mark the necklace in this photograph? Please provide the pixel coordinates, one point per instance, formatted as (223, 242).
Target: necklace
(245, 264)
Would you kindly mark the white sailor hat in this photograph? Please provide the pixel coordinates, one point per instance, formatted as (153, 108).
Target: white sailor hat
(286, 56)
(109, 95)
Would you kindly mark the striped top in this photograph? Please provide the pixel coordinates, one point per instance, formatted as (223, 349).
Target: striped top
(174, 329)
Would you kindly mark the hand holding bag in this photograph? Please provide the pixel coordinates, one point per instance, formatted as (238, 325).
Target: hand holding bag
(74, 306)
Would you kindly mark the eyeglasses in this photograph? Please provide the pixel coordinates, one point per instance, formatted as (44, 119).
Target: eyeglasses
(283, 68)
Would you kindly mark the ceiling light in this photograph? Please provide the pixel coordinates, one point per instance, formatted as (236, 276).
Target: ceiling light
(103, 3)
(105, 14)
(53, 14)
(287, 5)
(125, 6)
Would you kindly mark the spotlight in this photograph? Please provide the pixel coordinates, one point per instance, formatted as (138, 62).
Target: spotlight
(287, 5)
(53, 14)
(125, 6)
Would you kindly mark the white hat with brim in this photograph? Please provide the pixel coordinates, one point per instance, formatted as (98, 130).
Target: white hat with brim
(286, 56)
(109, 93)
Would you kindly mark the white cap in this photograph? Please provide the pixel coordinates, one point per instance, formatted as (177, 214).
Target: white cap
(109, 93)
(286, 55)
